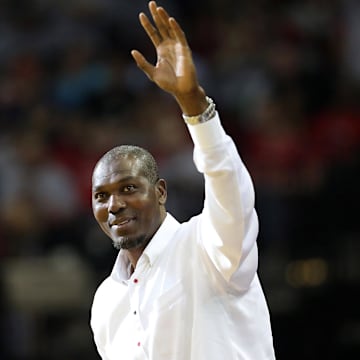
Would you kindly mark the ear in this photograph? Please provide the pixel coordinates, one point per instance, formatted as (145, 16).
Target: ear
(161, 190)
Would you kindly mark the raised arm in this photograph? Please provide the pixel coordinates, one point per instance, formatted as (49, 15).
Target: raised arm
(228, 227)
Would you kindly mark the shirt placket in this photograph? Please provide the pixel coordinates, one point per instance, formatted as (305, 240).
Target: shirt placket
(136, 284)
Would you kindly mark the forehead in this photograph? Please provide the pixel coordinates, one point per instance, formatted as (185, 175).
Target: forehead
(108, 171)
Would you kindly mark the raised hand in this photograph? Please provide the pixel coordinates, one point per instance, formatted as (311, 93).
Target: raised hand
(174, 71)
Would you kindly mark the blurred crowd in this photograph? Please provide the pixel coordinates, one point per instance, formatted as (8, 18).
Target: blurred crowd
(285, 75)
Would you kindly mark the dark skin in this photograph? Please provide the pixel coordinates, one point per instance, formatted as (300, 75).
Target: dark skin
(121, 194)
(174, 71)
(127, 206)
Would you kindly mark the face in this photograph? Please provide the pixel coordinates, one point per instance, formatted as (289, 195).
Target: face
(128, 207)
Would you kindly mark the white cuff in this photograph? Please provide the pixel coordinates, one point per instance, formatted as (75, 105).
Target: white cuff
(207, 134)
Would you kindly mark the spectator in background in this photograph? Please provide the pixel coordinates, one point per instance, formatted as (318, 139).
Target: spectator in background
(36, 193)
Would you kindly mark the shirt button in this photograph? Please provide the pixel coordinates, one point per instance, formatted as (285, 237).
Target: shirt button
(138, 344)
(136, 281)
(135, 312)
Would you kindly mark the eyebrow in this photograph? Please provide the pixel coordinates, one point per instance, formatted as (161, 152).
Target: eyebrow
(125, 179)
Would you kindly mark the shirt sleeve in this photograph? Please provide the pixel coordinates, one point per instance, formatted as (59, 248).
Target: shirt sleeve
(228, 224)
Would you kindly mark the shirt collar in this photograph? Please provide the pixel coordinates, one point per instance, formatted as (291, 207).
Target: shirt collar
(122, 268)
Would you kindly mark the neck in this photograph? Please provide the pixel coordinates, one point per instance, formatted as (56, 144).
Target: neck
(134, 255)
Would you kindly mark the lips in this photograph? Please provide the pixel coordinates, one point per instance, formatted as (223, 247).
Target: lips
(121, 221)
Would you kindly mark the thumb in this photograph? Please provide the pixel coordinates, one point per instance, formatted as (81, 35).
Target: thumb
(143, 64)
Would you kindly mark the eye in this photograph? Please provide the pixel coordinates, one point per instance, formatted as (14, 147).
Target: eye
(129, 188)
(100, 196)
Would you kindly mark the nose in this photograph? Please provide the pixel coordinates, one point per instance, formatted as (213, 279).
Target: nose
(116, 203)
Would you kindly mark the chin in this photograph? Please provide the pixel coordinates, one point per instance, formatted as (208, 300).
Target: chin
(128, 243)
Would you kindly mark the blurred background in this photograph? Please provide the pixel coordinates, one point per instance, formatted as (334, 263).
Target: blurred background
(285, 76)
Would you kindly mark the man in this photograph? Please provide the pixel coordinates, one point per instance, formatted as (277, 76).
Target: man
(179, 291)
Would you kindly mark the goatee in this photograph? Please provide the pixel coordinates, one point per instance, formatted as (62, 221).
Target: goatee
(127, 243)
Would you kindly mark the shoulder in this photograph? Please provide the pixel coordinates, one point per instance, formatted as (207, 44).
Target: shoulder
(103, 292)
(104, 286)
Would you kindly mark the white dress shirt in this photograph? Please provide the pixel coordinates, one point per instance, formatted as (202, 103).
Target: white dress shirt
(194, 294)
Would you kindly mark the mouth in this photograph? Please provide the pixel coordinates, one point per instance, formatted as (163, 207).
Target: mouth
(121, 222)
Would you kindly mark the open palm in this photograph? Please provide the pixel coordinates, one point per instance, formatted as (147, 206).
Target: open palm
(174, 71)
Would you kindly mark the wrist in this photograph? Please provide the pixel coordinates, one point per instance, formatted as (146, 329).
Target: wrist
(193, 103)
(208, 114)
